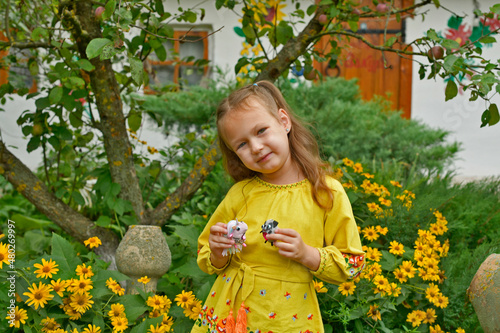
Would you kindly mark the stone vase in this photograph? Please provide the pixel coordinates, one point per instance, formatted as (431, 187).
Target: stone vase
(143, 251)
(484, 294)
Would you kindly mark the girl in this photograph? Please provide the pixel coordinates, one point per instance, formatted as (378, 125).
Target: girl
(275, 161)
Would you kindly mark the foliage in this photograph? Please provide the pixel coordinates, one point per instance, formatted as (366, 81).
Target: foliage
(70, 292)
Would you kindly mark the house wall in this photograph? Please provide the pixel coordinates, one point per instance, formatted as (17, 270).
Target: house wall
(479, 158)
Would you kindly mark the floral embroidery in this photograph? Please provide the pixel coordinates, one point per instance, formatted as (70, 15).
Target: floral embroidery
(224, 277)
(272, 315)
(305, 296)
(310, 316)
(228, 301)
(355, 264)
(228, 279)
(263, 292)
(213, 294)
(287, 295)
(277, 187)
(294, 317)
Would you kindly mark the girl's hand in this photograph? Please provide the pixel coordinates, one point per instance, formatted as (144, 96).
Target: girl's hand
(218, 243)
(290, 245)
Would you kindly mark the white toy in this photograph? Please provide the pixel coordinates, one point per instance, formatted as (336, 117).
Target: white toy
(236, 231)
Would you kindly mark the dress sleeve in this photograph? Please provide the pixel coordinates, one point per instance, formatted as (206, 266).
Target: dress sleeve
(223, 214)
(342, 257)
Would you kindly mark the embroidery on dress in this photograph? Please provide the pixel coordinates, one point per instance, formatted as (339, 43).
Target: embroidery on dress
(287, 295)
(355, 264)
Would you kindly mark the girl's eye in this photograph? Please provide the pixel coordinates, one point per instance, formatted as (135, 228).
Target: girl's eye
(262, 130)
(240, 145)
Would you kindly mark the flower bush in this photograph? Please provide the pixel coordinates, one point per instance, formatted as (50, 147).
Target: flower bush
(69, 292)
(400, 287)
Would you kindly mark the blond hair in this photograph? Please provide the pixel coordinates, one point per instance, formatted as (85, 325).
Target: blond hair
(303, 146)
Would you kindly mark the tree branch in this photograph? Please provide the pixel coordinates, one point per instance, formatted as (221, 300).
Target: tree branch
(190, 185)
(33, 189)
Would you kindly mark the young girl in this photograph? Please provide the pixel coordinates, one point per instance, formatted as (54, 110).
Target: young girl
(279, 176)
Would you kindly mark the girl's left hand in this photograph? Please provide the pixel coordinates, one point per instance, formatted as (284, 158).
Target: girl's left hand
(290, 245)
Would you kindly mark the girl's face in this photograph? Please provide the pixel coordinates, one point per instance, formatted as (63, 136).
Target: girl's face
(261, 142)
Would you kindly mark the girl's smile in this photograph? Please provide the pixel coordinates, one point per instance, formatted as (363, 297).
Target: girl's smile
(261, 142)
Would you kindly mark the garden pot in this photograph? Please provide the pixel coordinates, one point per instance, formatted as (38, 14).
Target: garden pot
(484, 294)
(143, 251)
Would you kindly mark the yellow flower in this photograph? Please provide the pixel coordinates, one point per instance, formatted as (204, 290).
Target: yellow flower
(381, 230)
(381, 284)
(46, 269)
(435, 329)
(460, 330)
(156, 329)
(92, 329)
(120, 324)
(441, 302)
(400, 275)
(20, 316)
(81, 302)
(193, 310)
(385, 202)
(430, 316)
(395, 290)
(358, 168)
(374, 313)
(4, 255)
(396, 248)
(395, 183)
(368, 175)
(414, 318)
(373, 207)
(59, 286)
(167, 322)
(408, 269)
(39, 295)
(184, 299)
(320, 288)
(84, 270)
(347, 288)
(370, 233)
(348, 162)
(156, 302)
(71, 312)
(432, 292)
(373, 254)
(49, 324)
(81, 285)
(93, 242)
(117, 310)
(144, 279)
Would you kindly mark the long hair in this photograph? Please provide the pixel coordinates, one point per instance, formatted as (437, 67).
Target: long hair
(303, 146)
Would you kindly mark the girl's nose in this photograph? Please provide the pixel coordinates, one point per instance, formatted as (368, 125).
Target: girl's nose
(256, 146)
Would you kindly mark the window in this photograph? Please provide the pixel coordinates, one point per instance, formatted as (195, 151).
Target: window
(186, 62)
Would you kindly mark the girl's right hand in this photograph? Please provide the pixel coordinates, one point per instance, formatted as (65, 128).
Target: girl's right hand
(218, 243)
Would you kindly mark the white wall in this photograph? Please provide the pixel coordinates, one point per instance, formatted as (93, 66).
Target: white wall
(481, 146)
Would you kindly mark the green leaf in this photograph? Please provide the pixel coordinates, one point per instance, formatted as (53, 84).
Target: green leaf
(241, 63)
(109, 9)
(103, 221)
(24, 223)
(85, 65)
(436, 3)
(450, 44)
(134, 121)
(33, 68)
(495, 9)
(136, 70)
(283, 32)
(485, 118)
(311, 9)
(95, 47)
(65, 256)
(33, 144)
(353, 25)
(494, 115)
(77, 196)
(451, 90)
(488, 40)
(239, 32)
(39, 33)
(73, 82)
(108, 52)
(391, 41)
(55, 95)
(449, 61)
(134, 306)
(431, 33)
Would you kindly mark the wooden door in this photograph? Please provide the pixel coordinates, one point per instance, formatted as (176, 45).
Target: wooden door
(386, 74)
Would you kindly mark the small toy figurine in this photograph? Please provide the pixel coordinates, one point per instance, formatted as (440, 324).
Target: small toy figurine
(269, 227)
(236, 231)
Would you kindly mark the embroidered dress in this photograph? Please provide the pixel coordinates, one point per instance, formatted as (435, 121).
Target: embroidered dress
(278, 293)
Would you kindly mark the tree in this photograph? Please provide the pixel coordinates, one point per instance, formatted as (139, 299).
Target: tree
(75, 46)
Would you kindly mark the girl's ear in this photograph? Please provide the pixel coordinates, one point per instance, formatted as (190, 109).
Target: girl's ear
(285, 119)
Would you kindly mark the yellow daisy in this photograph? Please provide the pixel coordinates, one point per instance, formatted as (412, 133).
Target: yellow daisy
(184, 299)
(156, 302)
(117, 310)
(441, 302)
(59, 286)
(400, 275)
(396, 248)
(144, 279)
(408, 269)
(193, 310)
(84, 270)
(435, 329)
(81, 302)
(374, 313)
(92, 329)
(49, 324)
(414, 318)
(120, 324)
(430, 316)
(81, 285)
(156, 329)
(20, 316)
(4, 255)
(347, 288)
(432, 292)
(39, 295)
(46, 269)
(92, 242)
(373, 254)
(319, 287)
(370, 233)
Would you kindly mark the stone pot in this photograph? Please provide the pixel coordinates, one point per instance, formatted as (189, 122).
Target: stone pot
(484, 294)
(143, 251)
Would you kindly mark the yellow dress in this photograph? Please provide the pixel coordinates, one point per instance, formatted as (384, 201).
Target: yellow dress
(278, 293)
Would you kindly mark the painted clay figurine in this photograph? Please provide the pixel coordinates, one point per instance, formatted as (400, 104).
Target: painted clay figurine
(236, 231)
(269, 227)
